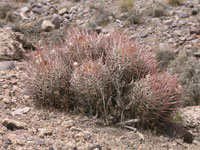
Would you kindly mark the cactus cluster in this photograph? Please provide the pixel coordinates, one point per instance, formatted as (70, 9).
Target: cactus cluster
(104, 75)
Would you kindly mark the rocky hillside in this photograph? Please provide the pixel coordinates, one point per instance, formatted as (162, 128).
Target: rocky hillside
(156, 26)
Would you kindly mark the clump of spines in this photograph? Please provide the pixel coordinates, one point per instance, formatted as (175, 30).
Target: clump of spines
(90, 81)
(155, 98)
(48, 79)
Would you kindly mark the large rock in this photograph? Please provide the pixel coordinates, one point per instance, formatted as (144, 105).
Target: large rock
(191, 116)
(12, 45)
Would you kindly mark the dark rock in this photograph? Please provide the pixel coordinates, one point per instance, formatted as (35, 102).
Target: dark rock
(195, 11)
(176, 131)
(197, 54)
(12, 45)
(56, 20)
(13, 124)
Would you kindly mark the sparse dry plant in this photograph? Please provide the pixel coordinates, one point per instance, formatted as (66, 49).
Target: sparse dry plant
(156, 10)
(102, 15)
(164, 57)
(134, 17)
(190, 79)
(126, 5)
(187, 67)
(173, 2)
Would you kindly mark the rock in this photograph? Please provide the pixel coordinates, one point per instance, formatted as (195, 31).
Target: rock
(141, 136)
(168, 22)
(190, 116)
(56, 20)
(13, 124)
(47, 26)
(38, 11)
(195, 11)
(176, 131)
(62, 11)
(197, 54)
(183, 38)
(45, 132)
(144, 35)
(12, 45)
(24, 9)
(183, 15)
(197, 31)
(7, 65)
(95, 147)
(21, 111)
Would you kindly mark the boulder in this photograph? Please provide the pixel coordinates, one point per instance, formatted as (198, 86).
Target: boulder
(13, 45)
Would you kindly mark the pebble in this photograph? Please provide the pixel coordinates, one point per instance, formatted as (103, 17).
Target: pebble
(21, 111)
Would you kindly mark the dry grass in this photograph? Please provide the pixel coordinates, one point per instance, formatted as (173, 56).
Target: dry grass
(164, 57)
(173, 2)
(126, 5)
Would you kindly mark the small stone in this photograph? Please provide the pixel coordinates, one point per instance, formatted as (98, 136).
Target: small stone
(141, 136)
(183, 15)
(164, 46)
(51, 148)
(183, 38)
(52, 11)
(13, 124)
(168, 22)
(195, 11)
(95, 147)
(24, 9)
(56, 20)
(197, 54)
(40, 142)
(62, 11)
(144, 35)
(47, 26)
(7, 65)
(21, 111)
(45, 132)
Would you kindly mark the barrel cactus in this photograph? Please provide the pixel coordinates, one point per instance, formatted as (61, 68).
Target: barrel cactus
(155, 98)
